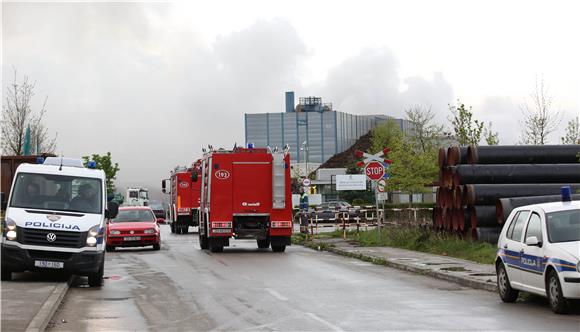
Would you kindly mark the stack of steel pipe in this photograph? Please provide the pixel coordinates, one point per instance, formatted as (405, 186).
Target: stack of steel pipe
(472, 179)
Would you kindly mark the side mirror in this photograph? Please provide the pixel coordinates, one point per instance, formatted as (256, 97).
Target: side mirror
(533, 241)
(160, 220)
(112, 210)
(194, 176)
(163, 186)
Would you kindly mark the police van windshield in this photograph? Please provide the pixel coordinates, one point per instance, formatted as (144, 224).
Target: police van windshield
(57, 192)
(134, 215)
(563, 226)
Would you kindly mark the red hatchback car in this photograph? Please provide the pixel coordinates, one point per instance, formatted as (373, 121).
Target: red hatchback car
(134, 226)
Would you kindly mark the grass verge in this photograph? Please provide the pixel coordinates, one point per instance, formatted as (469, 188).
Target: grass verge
(424, 240)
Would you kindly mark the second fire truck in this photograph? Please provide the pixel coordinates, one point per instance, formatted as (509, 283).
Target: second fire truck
(184, 198)
(245, 194)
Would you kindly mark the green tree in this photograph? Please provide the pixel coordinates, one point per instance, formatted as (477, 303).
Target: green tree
(412, 167)
(491, 137)
(572, 135)
(386, 134)
(105, 163)
(467, 129)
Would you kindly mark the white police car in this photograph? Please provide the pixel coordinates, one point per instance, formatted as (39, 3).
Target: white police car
(539, 252)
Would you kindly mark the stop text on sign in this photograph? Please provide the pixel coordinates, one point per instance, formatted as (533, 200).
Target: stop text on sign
(374, 170)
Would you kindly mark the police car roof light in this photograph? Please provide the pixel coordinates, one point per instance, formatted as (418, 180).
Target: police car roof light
(39, 160)
(566, 193)
(92, 164)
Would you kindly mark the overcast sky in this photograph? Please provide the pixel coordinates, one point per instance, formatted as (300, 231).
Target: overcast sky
(154, 82)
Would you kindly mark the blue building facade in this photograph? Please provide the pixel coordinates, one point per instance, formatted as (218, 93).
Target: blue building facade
(313, 130)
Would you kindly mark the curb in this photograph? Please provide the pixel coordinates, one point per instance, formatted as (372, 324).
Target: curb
(40, 321)
(487, 286)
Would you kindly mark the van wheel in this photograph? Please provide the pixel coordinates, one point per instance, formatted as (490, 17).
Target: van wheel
(6, 274)
(96, 279)
(263, 244)
(557, 301)
(506, 292)
(280, 248)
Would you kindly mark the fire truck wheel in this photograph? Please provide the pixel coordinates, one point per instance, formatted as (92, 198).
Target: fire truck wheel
(280, 248)
(185, 230)
(203, 242)
(263, 244)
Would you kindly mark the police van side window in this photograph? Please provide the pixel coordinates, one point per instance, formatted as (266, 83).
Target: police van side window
(517, 226)
(534, 227)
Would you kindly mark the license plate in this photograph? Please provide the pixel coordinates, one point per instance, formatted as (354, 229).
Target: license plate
(132, 238)
(49, 264)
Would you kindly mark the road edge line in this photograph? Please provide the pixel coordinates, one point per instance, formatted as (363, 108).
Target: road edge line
(40, 321)
(490, 287)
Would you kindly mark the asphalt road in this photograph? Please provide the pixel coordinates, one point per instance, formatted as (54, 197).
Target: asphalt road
(184, 288)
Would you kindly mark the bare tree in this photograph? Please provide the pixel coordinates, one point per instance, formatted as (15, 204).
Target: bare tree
(572, 135)
(18, 115)
(426, 133)
(540, 119)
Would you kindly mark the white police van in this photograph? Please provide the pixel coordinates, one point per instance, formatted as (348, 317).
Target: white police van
(539, 252)
(55, 219)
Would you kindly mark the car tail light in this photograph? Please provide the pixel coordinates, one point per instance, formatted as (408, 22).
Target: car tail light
(221, 224)
(281, 224)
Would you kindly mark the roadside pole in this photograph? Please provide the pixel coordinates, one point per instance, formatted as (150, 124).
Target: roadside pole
(379, 221)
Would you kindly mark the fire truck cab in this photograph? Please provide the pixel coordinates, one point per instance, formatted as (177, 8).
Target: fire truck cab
(184, 198)
(245, 194)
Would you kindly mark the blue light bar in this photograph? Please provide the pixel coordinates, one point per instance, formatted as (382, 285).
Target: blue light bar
(566, 193)
(250, 145)
(92, 164)
(39, 160)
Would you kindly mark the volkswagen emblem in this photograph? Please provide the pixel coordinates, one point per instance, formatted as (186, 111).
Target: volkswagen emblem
(132, 232)
(53, 217)
(51, 237)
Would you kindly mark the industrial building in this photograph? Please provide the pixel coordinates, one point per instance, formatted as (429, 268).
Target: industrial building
(313, 130)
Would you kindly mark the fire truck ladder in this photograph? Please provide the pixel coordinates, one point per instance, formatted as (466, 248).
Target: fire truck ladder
(278, 181)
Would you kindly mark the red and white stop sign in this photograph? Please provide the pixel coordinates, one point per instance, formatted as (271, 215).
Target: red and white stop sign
(374, 170)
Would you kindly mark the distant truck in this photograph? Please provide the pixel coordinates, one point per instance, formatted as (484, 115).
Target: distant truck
(55, 219)
(9, 164)
(184, 198)
(246, 194)
(137, 197)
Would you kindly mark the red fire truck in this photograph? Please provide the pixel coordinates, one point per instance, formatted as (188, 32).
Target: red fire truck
(184, 198)
(246, 194)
